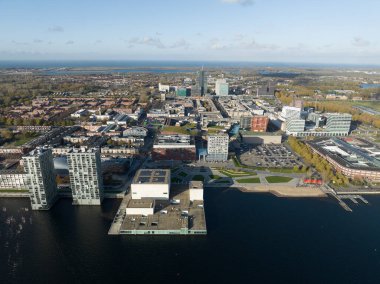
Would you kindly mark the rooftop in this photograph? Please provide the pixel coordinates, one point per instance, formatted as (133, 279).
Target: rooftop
(153, 176)
(350, 153)
(169, 215)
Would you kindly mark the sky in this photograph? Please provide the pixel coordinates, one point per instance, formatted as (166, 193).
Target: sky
(324, 31)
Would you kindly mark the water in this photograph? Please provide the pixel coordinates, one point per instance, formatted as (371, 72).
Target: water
(252, 238)
(38, 64)
(369, 86)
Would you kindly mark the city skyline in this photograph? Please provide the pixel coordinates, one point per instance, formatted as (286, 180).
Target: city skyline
(225, 30)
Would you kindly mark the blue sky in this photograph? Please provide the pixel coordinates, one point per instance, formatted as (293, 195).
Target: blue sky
(324, 31)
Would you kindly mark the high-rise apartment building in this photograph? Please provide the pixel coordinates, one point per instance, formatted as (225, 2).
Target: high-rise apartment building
(217, 148)
(40, 178)
(85, 176)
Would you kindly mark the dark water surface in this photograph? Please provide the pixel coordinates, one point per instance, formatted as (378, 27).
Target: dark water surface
(252, 238)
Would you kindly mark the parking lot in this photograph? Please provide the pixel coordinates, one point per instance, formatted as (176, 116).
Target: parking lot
(268, 156)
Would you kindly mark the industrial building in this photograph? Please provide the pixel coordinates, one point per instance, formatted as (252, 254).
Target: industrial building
(85, 176)
(40, 178)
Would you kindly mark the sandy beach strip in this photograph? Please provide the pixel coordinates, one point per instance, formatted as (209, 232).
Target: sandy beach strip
(284, 190)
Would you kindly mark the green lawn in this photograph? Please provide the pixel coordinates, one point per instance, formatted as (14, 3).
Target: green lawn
(174, 129)
(185, 129)
(233, 174)
(21, 139)
(249, 180)
(182, 174)
(284, 170)
(278, 179)
(198, 178)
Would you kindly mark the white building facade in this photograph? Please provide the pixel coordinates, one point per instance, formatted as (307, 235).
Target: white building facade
(217, 148)
(85, 176)
(221, 87)
(40, 178)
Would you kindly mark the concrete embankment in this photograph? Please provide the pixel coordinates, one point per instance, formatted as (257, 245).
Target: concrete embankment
(284, 190)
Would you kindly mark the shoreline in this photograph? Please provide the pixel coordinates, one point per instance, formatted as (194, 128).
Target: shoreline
(281, 190)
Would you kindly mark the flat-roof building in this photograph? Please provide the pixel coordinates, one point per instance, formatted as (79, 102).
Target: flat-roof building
(355, 158)
(174, 147)
(339, 123)
(151, 183)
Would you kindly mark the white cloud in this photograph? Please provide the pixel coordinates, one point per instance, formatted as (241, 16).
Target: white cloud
(360, 42)
(241, 2)
(217, 44)
(182, 43)
(151, 41)
(252, 44)
(56, 29)
(70, 42)
(20, 42)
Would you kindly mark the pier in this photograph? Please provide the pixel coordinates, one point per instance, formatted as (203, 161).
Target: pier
(341, 196)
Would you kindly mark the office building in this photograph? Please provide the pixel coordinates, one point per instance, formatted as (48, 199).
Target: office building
(85, 176)
(290, 112)
(217, 148)
(221, 87)
(151, 183)
(200, 88)
(202, 82)
(259, 123)
(293, 126)
(40, 178)
(338, 123)
(316, 119)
